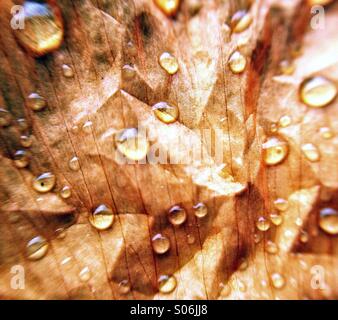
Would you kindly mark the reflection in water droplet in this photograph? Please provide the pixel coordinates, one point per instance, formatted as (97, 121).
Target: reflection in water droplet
(160, 243)
(168, 62)
(43, 31)
(177, 215)
(165, 112)
(60, 233)
(237, 62)
(87, 127)
(311, 152)
(21, 159)
(317, 91)
(167, 284)
(240, 21)
(102, 217)
(36, 102)
(200, 210)
(36, 248)
(44, 182)
(263, 224)
(328, 220)
(275, 150)
(132, 144)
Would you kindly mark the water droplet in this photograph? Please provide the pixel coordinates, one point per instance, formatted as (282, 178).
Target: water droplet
(278, 280)
(22, 123)
(281, 204)
(85, 274)
(276, 218)
(60, 233)
(168, 62)
(237, 62)
(271, 247)
(311, 152)
(285, 121)
(165, 112)
(326, 132)
(87, 127)
(257, 237)
(26, 141)
(273, 127)
(190, 239)
(317, 91)
(5, 118)
(240, 21)
(328, 220)
(43, 30)
(21, 159)
(132, 144)
(74, 164)
(287, 67)
(36, 102)
(102, 217)
(177, 215)
(167, 284)
(65, 192)
(275, 150)
(44, 182)
(67, 71)
(169, 7)
(263, 224)
(200, 210)
(243, 264)
(124, 287)
(36, 248)
(128, 72)
(160, 243)
(304, 237)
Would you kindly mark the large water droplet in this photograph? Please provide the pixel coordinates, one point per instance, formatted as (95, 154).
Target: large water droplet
(311, 152)
(177, 215)
(281, 204)
(168, 62)
(275, 150)
(43, 29)
(132, 144)
(44, 182)
(67, 71)
(161, 244)
(237, 62)
(36, 248)
(263, 224)
(240, 21)
(200, 210)
(74, 164)
(36, 102)
(65, 192)
(278, 280)
(169, 7)
(317, 91)
(328, 220)
(21, 159)
(102, 217)
(166, 283)
(165, 112)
